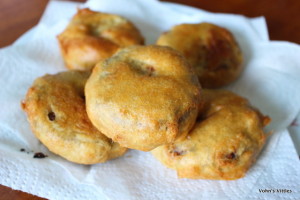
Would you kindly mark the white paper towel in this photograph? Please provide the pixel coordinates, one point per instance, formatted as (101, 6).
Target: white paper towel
(271, 81)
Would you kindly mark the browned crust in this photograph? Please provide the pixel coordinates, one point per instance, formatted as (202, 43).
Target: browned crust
(55, 107)
(93, 36)
(223, 144)
(210, 49)
(143, 97)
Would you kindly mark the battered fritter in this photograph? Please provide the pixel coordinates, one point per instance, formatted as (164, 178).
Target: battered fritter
(210, 49)
(92, 36)
(55, 106)
(143, 97)
(224, 143)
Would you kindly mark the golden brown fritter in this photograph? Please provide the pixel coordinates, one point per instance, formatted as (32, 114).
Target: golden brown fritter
(143, 97)
(55, 107)
(210, 49)
(224, 143)
(93, 36)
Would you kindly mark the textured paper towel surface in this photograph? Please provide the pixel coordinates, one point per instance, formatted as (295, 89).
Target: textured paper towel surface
(270, 80)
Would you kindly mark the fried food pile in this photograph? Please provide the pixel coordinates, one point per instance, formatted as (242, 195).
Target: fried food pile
(165, 98)
(224, 142)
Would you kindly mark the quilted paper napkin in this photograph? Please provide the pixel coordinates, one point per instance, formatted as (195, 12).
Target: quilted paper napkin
(271, 81)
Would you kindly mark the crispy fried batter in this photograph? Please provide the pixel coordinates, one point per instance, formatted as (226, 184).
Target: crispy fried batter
(93, 36)
(210, 49)
(55, 106)
(224, 143)
(143, 97)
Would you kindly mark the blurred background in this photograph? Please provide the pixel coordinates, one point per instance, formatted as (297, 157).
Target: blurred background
(283, 17)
